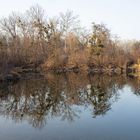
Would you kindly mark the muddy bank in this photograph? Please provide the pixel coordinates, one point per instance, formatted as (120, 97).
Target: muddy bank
(21, 73)
(88, 70)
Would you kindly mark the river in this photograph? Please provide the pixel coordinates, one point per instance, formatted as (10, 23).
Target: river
(71, 107)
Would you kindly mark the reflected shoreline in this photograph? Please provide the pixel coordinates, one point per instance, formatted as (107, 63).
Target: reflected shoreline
(36, 101)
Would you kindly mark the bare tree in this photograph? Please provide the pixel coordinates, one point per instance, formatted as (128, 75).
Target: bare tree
(68, 23)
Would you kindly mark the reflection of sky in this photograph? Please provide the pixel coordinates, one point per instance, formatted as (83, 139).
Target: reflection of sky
(121, 16)
(121, 122)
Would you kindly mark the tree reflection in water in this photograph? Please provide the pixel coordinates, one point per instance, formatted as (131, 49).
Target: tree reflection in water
(59, 96)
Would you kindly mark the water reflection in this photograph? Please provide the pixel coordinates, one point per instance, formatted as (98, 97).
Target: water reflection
(36, 101)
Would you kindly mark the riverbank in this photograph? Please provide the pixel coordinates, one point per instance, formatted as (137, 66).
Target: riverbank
(30, 71)
(20, 73)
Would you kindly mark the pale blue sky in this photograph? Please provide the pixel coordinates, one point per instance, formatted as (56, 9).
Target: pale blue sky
(121, 16)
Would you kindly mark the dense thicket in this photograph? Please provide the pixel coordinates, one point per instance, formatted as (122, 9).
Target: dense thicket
(32, 40)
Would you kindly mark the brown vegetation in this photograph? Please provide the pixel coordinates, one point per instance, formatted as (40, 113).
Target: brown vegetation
(32, 41)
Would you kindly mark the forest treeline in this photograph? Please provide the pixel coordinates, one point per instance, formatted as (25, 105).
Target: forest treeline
(34, 40)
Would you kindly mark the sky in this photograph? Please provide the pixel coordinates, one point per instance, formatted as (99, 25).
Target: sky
(122, 17)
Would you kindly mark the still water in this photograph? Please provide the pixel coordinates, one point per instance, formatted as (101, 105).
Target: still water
(71, 107)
